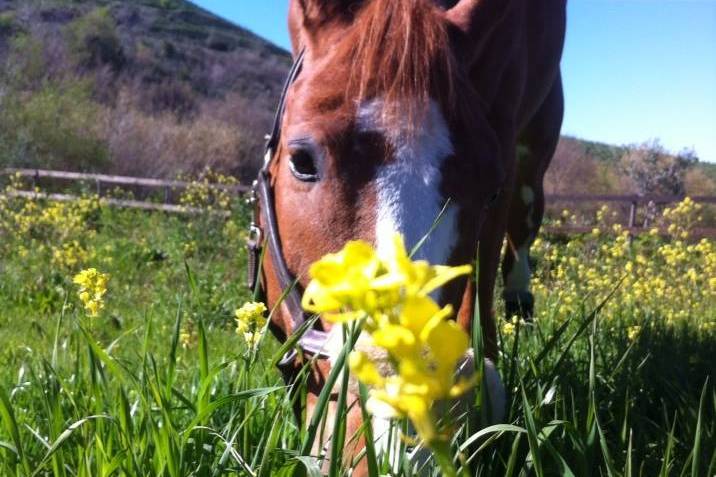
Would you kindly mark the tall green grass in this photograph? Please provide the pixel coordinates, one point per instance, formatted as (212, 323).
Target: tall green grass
(161, 385)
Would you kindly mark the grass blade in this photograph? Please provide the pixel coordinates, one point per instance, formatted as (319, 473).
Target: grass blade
(370, 453)
(8, 418)
(324, 397)
(696, 460)
(532, 434)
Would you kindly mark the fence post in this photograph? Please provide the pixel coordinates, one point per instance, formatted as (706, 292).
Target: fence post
(632, 219)
(632, 213)
(98, 185)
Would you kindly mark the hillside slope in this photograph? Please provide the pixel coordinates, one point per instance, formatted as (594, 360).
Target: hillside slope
(166, 41)
(165, 63)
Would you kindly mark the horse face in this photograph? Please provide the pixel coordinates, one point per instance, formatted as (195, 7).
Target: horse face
(382, 132)
(371, 150)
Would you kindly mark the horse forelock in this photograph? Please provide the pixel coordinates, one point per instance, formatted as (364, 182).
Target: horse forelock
(399, 51)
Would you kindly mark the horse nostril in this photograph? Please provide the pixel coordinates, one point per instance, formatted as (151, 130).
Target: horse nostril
(303, 166)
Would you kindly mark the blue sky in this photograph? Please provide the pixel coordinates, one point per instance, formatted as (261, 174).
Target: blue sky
(634, 70)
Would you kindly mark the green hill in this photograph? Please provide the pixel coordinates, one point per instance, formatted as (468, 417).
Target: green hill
(165, 66)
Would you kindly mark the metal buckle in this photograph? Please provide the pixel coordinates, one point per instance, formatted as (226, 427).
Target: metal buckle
(254, 241)
(255, 236)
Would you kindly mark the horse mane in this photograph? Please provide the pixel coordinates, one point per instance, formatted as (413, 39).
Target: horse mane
(399, 50)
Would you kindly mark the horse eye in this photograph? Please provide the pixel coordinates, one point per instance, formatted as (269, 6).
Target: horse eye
(303, 166)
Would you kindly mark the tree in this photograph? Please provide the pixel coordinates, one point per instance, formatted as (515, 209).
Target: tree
(653, 170)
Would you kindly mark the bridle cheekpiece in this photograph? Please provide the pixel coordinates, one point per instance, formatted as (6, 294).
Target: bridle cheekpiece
(263, 232)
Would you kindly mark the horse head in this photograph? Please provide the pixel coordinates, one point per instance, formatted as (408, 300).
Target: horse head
(381, 130)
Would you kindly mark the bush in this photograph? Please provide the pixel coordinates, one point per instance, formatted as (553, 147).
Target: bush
(94, 41)
(55, 127)
(163, 146)
(7, 23)
(653, 170)
(25, 65)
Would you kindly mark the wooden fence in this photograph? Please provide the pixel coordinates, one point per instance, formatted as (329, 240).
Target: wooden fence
(101, 182)
(633, 203)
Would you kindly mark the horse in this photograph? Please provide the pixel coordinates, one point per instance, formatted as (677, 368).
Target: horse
(397, 112)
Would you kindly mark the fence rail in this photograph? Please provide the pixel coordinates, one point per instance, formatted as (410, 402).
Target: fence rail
(630, 198)
(632, 201)
(697, 232)
(122, 203)
(99, 179)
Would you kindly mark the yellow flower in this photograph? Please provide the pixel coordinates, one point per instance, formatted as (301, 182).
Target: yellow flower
(633, 332)
(508, 328)
(342, 280)
(399, 398)
(92, 288)
(364, 369)
(357, 281)
(392, 292)
(416, 278)
(187, 337)
(250, 322)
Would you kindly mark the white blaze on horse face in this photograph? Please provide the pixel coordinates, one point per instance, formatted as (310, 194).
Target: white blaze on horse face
(408, 185)
(409, 200)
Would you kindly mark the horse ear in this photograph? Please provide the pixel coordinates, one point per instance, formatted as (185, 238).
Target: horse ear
(475, 20)
(308, 18)
(319, 12)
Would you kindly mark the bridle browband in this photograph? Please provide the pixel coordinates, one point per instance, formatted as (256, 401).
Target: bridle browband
(313, 340)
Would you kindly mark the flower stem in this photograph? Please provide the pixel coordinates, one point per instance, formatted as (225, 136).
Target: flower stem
(443, 456)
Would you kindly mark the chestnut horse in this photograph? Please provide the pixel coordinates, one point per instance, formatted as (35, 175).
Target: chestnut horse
(397, 110)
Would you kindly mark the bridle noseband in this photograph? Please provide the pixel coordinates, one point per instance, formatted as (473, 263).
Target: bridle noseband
(313, 341)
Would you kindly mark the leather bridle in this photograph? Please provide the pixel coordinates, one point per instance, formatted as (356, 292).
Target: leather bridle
(313, 341)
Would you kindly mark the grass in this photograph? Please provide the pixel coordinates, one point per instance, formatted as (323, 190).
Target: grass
(160, 384)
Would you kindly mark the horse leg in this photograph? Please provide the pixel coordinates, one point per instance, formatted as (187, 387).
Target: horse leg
(537, 145)
(491, 238)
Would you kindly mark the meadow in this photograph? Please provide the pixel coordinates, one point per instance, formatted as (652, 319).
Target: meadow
(614, 377)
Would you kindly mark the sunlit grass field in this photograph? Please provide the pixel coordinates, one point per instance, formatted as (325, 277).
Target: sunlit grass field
(614, 377)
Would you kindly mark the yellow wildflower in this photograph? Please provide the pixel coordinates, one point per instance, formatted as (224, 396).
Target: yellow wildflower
(364, 369)
(357, 280)
(250, 322)
(187, 336)
(633, 332)
(343, 280)
(423, 344)
(92, 288)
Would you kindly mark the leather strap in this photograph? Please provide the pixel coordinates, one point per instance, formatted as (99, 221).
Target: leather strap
(313, 340)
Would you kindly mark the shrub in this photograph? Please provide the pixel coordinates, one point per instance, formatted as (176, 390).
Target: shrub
(25, 65)
(163, 146)
(7, 23)
(219, 42)
(655, 171)
(94, 41)
(168, 4)
(55, 127)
